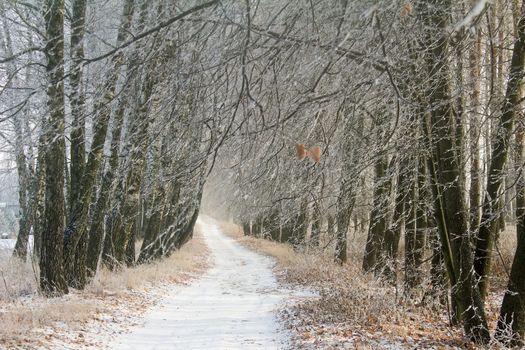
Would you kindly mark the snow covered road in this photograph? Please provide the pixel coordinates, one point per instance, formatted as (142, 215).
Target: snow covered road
(232, 306)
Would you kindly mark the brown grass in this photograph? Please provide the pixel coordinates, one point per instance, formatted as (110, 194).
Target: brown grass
(349, 302)
(503, 256)
(345, 293)
(283, 253)
(30, 321)
(17, 323)
(17, 278)
(178, 268)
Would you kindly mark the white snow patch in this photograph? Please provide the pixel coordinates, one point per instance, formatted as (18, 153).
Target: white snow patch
(471, 15)
(8, 245)
(232, 306)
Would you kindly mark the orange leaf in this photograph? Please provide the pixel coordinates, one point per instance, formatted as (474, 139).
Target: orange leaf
(301, 153)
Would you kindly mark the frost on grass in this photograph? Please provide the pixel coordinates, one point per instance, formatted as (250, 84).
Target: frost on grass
(352, 310)
(231, 307)
(111, 303)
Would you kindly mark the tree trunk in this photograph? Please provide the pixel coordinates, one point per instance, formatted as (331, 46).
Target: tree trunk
(510, 328)
(474, 133)
(130, 248)
(75, 266)
(75, 235)
(393, 234)
(40, 194)
(96, 229)
(286, 230)
(20, 250)
(492, 204)
(345, 204)
(438, 277)
(77, 101)
(378, 221)
(24, 222)
(301, 224)
(315, 236)
(511, 323)
(136, 149)
(257, 228)
(246, 228)
(416, 235)
(52, 277)
(151, 245)
(411, 273)
(445, 170)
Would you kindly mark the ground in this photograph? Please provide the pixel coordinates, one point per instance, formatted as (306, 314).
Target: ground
(232, 306)
(90, 319)
(227, 292)
(355, 310)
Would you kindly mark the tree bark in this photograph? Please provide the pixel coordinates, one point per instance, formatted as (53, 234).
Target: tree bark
(445, 170)
(77, 102)
(315, 237)
(411, 273)
(96, 229)
(75, 235)
(493, 204)
(347, 193)
(416, 235)
(22, 166)
(52, 276)
(345, 204)
(393, 234)
(510, 328)
(378, 221)
(246, 228)
(474, 133)
(511, 323)
(40, 193)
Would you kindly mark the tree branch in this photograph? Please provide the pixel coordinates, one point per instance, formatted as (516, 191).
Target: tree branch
(150, 31)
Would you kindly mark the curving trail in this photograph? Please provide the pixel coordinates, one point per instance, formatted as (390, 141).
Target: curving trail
(232, 306)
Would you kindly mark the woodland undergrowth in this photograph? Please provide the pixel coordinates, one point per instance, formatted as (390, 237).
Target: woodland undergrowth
(356, 310)
(29, 320)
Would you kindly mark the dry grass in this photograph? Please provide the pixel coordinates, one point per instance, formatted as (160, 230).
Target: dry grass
(352, 307)
(178, 268)
(345, 293)
(32, 321)
(17, 323)
(503, 256)
(283, 253)
(17, 278)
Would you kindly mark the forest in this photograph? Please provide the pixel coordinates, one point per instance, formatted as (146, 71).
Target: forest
(384, 133)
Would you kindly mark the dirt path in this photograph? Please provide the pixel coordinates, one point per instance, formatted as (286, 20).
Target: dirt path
(232, 306)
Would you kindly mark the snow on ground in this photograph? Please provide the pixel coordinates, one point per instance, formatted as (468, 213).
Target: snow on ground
(233, 306)
(7, 246)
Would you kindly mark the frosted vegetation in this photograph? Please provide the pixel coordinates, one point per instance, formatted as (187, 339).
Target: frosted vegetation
(384, 134)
